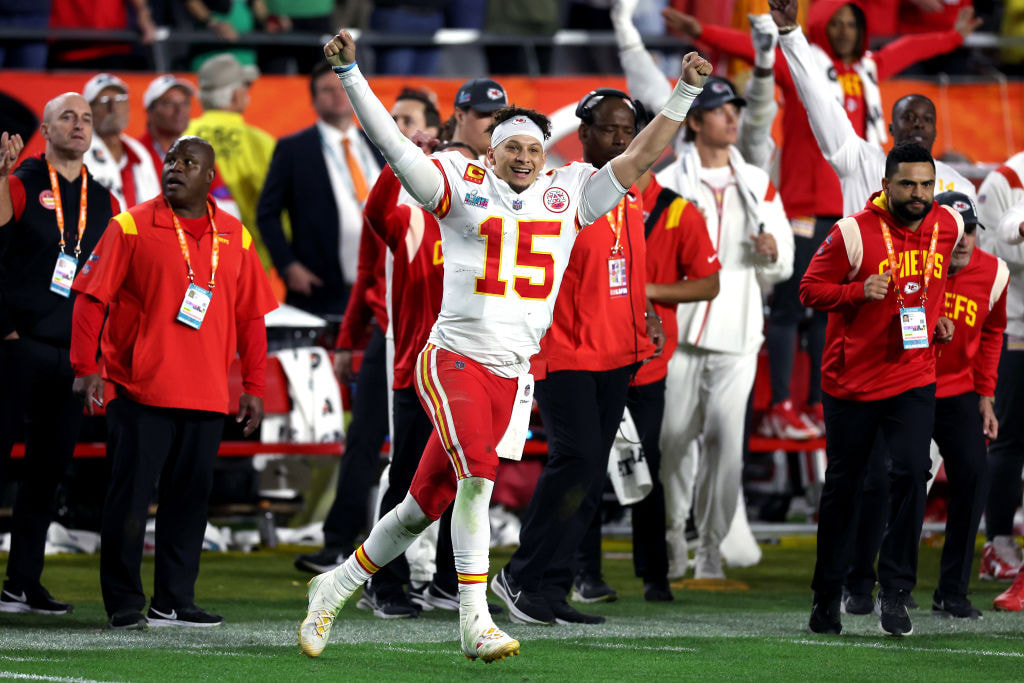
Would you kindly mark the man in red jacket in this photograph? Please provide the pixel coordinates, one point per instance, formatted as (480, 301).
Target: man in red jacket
(881, 274)
(838, 33)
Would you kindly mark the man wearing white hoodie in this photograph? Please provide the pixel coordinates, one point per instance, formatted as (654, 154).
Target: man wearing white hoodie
(719, 340)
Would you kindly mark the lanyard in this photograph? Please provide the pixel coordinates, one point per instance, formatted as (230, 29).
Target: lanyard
(214, 258)
(927, 265)
(59, 206)
(615, 220)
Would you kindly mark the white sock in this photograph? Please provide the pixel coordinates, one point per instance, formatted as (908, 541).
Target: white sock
(471, 540)
(388, 539)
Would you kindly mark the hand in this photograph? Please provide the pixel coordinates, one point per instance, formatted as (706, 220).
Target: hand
(223, 30)
(944, 330)
(301, 279)
(989, 423)
(252, 407)
(764, 244)
(682, 23)
(90, 390)
(623, 11)
(784, 12)
(10, 148)
(763, 32)
(424, 141)
(877, 286)
(343, 366)
(966, 23)
(655, 332)
(695, 70)
(341, 49)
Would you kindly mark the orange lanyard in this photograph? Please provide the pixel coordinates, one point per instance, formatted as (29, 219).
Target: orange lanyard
(929, 263)
(615, 222)
(58, 205)
(214, 258)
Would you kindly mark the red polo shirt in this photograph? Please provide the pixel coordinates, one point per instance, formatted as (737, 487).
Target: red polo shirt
(138, 270)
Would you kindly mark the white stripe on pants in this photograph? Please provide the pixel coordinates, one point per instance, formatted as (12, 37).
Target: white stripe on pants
(706, 395)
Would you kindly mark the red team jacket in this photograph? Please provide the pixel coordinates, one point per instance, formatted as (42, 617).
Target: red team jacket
(678, 246)
(864, 358)
(593, 328)
(414, 238)
(975, 301)
(366, 300)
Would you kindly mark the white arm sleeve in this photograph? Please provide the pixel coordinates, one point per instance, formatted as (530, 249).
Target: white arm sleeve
(832, 128)
(1009, 226)
(644, 79)
(418, 175)
(601, 193)
(755, 140)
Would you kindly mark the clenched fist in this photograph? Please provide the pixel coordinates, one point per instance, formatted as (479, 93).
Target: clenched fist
(877, 286)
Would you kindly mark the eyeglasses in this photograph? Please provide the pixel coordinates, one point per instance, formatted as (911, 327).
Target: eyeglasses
(108, 100)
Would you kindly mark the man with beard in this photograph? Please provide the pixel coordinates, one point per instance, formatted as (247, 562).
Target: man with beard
(118, 162)
(885, 262)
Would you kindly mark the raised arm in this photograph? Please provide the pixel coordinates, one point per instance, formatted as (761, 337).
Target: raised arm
(755, 139)
(10, 148)
(832, 128)
(644, 79)
(420, 177)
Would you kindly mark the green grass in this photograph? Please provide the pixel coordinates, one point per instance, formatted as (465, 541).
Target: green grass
(755, 634)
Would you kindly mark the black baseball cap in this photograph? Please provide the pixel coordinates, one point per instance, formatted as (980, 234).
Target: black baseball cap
(717, 91)
(961, 203)
(481, 94)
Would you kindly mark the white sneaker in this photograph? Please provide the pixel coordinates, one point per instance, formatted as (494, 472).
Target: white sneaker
(678, 554)
(325, 600)
(482, 639)
(709, 564)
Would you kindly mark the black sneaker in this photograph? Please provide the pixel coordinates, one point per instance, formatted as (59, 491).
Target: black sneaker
(320, 562)
(855, 603)
(397, 606)
(895, 620)
(36, 600)
(825, 617)
(128, 620)
(182, 616)
(567, 614)
(911, 602)
(657, 591)
(523, 607)
(955, 607)
(592, 589)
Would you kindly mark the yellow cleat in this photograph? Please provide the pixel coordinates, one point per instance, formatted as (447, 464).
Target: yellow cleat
(325, 600)
(491, 645)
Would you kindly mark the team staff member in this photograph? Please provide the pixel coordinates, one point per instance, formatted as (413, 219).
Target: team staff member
(182, 287)
(600, 332)
(878, 374)
(681, 267)
(52, 213)
(966, 371)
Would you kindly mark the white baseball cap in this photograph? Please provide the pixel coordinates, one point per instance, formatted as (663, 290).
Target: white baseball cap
(98, 82)
(161, 84)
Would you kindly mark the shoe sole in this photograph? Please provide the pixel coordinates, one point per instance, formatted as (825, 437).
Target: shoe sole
(824, 633)
(138, 626)
(579, 597)
(161, 623)
(896, 635)
(567, 622)
(22, 608)
(514, 613)
(381, 614)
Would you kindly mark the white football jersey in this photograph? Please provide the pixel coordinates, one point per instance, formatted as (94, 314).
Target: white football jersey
(504, 256)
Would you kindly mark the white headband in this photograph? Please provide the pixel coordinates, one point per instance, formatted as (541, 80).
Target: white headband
(517, 125)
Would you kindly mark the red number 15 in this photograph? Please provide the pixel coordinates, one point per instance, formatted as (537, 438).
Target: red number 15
(493, 229)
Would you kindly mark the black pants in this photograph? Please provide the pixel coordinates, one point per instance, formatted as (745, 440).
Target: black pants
(581, 411)
(958, 433)
(52, 415)
(905, 422)
(144, 444)
(1006, 453)
(412, 431)
(646, 404)
(360, 466)
(786, 315)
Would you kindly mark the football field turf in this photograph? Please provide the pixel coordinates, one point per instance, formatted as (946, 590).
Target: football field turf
(756, 632)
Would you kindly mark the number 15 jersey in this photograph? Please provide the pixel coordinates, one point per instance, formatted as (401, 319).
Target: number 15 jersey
(504, 256)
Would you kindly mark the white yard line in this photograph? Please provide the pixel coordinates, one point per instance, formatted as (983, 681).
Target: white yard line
(40, 677)
(623, 646)
(903, 648)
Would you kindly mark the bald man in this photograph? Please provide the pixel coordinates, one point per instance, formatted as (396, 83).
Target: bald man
(52, 213)
(189, 272)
